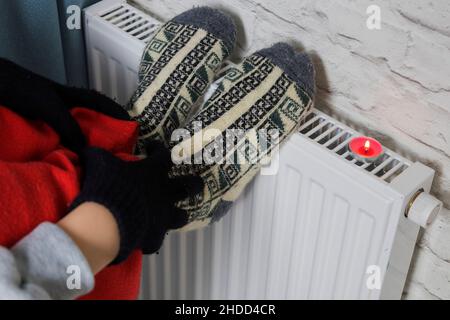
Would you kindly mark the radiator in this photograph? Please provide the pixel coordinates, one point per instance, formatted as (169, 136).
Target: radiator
(326, 226)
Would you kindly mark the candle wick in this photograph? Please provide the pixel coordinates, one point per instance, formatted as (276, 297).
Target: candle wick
(366, 146)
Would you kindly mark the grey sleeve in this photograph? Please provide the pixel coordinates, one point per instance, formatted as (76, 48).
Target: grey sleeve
(46, 264)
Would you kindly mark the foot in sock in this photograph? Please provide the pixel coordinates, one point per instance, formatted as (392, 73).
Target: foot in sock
(177, 66)
(271, 89)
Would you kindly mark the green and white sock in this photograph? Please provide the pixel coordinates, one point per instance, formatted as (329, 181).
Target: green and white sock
(177, 66)
(271, 89)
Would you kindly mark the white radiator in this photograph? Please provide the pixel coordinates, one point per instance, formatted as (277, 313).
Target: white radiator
(321, 228)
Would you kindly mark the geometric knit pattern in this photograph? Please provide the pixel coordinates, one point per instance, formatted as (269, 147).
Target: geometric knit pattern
(177, 66)
(257, 94)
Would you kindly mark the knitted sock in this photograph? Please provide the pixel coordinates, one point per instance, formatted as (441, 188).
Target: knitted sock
(177, 66)
(271, 89)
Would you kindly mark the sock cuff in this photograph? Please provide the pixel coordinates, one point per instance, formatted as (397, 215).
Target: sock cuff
(212, 20)
(298, 66)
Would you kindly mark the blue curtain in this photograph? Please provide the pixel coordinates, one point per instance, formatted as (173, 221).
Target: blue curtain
(33, 33)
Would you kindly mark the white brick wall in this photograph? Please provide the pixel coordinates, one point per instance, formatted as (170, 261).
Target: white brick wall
(394, 81)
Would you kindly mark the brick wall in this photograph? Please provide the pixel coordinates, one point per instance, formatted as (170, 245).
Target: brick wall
(393, 82)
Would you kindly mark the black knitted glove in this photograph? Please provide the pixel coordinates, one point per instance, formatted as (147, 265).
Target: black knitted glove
(139, 194)
(37, 98)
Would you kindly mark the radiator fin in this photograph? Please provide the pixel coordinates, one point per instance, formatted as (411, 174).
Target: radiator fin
(132, 21)
(334, 136)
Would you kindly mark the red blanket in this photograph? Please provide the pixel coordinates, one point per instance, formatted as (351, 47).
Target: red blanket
(39, 178)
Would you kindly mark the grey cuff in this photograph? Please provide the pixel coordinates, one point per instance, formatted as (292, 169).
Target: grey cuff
(298, 66)
(49, 258)
(213, 21)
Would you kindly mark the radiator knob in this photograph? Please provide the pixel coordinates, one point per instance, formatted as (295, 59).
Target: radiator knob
(423, 208)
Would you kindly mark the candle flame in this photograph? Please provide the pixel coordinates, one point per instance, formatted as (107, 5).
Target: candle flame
(366, 145)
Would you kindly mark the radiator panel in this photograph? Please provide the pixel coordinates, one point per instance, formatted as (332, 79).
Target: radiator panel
(307, 233)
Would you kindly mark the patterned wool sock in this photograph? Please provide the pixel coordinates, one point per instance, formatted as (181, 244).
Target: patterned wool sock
(177, 66)
(271, 89)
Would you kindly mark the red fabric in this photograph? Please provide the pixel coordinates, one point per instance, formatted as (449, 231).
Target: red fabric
(39, 178)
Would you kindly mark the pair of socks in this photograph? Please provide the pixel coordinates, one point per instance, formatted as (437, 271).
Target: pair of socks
(261, 101)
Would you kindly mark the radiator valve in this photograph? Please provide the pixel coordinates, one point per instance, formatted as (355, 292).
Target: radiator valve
(423, 208)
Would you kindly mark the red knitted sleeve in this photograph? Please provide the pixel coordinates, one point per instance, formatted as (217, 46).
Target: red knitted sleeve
(39, 178)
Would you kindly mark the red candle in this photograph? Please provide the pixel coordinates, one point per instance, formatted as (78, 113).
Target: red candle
(365, 148)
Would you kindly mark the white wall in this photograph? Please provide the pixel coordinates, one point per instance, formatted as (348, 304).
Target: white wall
(394, 81)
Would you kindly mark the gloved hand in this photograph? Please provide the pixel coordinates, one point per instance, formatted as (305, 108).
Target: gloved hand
(139, 194)
(37, 98)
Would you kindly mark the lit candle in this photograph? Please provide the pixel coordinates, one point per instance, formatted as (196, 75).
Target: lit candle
(365, 148)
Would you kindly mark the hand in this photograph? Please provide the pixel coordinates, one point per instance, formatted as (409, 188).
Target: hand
(37, 98)
(139, 194)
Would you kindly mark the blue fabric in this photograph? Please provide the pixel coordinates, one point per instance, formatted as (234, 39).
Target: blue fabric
(73, 45)
(34, 35)
(30, 36)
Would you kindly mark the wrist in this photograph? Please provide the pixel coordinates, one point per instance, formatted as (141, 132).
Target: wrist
(95, 231)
